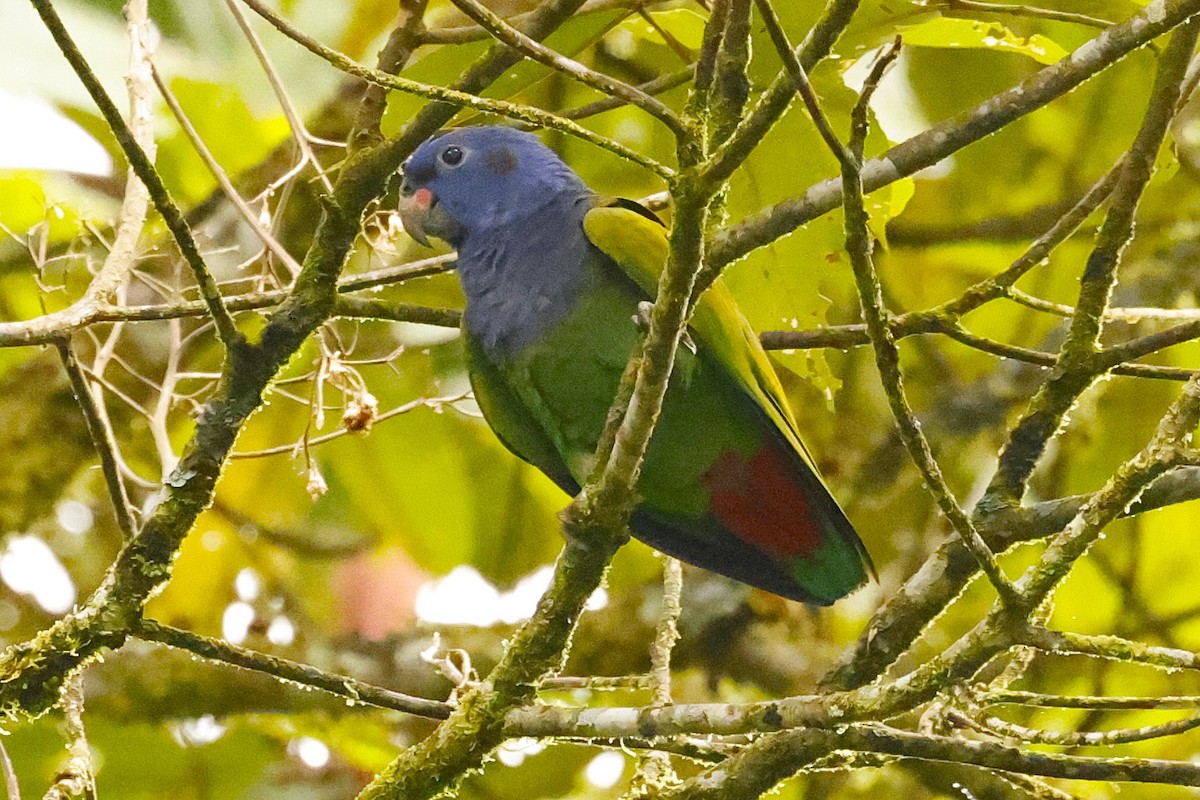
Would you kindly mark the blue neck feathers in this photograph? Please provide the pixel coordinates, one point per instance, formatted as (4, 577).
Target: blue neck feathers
(523, 277)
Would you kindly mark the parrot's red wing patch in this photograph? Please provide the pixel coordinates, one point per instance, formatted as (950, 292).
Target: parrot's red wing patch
(759, 499)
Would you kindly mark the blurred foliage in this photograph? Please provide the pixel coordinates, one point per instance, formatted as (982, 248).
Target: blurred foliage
(432, 490)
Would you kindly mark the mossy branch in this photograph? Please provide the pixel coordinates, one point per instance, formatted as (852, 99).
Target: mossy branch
(942, 140)
(287, 670)
(1077, 368)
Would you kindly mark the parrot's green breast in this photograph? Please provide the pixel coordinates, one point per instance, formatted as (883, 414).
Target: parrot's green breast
(569, 378)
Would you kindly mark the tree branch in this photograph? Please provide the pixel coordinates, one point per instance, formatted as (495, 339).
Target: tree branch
(458, 97)
(293, 671)
(887, 356)
(140, 162)
(102, 439)
(538, 52)
(402, 42)
(931, 146)
(1076, 368)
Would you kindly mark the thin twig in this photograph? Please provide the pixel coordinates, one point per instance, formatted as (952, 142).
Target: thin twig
(376, 308)
(226, 328)
(300, 133)
(655, 771)
(667, 631)
(516, 111)
(159, 421)
(795, 69)
(463, 34)
(102, 439)
(598, 683)
(1107, 738)
(887, 356)
(1014, 697)
(537, 51)
(697, 750)
(11, 785)
(288, 670)
(291, 449)
(1027, 11)
(214, 168)
(654, 86)
(76, 781)
(131, 221)
(1129, 314)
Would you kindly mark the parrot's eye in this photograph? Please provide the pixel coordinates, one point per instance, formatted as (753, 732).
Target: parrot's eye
(452, 156)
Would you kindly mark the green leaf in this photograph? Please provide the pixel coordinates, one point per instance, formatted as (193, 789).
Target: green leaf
(684, 24)
(967, 34)
(233, 133)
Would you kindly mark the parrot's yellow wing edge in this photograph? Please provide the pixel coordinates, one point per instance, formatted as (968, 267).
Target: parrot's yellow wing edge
(637, 242)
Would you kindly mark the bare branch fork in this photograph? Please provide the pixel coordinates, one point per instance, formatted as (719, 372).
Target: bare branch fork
(144, 167)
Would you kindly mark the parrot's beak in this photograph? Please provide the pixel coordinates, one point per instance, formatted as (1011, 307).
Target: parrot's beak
(423, 216)
(415, 209)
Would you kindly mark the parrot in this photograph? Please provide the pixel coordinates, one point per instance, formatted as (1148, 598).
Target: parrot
(557, 280)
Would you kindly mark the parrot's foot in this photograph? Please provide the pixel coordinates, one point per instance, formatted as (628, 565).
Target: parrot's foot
(642, 320)
(580, 527)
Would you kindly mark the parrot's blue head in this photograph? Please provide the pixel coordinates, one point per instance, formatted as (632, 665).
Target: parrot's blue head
(480, 179)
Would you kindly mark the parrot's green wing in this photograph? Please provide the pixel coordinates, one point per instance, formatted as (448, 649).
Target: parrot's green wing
(511, 419)
(634, 240)
(723, 486)
(638, 244)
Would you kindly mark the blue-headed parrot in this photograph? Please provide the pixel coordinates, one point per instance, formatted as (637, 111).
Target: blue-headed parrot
(554, 277)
